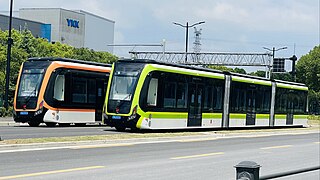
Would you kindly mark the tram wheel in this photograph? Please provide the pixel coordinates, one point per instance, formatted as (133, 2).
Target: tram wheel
(120, 128)
(64, 124)
(135, 129)
(34, 123)
(51, 124)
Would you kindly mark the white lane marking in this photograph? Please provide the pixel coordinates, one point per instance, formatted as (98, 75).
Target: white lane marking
(197, 155)
(50, 172)
(276, 147)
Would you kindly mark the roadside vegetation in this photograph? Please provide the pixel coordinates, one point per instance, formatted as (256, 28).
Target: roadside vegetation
(314, 120)
(98, 137)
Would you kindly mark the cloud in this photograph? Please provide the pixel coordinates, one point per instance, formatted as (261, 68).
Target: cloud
(230, 24)
(262, 15)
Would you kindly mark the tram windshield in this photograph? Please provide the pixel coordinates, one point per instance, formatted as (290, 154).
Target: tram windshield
(30, 82)
(124, 81)
(123, 85)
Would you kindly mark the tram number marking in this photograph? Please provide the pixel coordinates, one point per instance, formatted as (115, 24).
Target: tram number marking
(116, 117)
(23, 113)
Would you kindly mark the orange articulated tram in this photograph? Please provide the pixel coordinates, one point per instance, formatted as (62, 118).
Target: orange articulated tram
(60, 91)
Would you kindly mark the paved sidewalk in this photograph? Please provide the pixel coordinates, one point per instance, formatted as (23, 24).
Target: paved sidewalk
(7, 121)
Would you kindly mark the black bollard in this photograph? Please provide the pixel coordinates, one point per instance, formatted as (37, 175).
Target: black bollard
(247, 170)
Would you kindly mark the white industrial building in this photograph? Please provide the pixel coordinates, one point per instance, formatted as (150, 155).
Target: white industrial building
(74, 27)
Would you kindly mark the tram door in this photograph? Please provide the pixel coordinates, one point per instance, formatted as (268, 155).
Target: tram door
(195, 96)
(251, 111)
(100, 96)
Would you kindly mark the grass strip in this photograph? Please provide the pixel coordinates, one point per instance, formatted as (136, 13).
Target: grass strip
(96, 137)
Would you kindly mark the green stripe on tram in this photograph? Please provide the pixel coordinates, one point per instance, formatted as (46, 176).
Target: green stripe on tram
(300, 116)
(244, 116)
(262, 116)
(289, 86)
(212, 115)
(184, 71)
(280, 116)
(237, 116)
(167, 115)
(252, 81)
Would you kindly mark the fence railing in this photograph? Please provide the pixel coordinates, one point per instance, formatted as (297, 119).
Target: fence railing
(249, 170)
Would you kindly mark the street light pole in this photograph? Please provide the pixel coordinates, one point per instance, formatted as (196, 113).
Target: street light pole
(10, 42)
(187, 34)
(187, 39)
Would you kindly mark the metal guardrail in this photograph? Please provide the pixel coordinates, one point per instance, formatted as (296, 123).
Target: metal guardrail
(288, 173)
(249, 170)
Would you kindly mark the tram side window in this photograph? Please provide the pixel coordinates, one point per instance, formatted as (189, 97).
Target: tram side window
(169, 95)
(91, 91)
(302, 104)
(79, 91)
(58, 90)
(238, 97)
(218, 98)
(152, 92)
(182, 95)
(263, 99)
(175, 91)
(208, 100)
(290, 101)
(83, 90)
(213, 97)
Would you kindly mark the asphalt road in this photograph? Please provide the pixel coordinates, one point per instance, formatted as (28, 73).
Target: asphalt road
(176, 159)
(25, 131)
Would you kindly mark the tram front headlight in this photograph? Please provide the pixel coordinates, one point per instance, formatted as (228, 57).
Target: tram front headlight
(134, 113)
(40, 110)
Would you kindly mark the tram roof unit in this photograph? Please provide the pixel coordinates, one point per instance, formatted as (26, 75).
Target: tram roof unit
(191, 67)
(288, 83)
(68, 60)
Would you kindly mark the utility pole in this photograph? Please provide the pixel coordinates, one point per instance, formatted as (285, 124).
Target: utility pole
(10, 42)
(197, 44)
(187, 34)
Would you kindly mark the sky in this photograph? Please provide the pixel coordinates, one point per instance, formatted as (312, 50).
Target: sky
(230, 25)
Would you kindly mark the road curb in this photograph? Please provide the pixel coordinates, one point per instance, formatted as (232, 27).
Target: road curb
(9, 123)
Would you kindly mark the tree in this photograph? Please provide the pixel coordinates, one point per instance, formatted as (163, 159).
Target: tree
(258, 73)
(224, 68)
(308, 69)
(308, 72)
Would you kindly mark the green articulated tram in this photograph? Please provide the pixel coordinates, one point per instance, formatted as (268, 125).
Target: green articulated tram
(146, 94)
